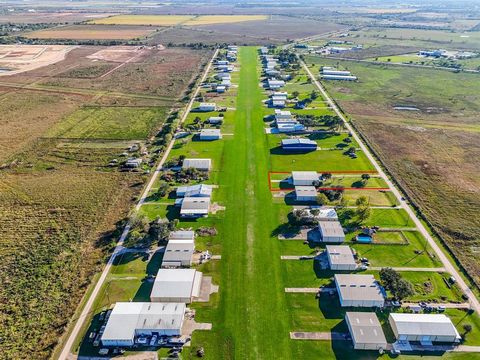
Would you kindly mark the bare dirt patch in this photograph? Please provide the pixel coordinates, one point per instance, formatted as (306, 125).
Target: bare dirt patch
(15, 59)
(121, 53)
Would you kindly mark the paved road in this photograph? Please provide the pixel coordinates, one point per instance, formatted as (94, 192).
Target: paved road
(443, 258)
(421, 269)
(447, 305)
(119, 248)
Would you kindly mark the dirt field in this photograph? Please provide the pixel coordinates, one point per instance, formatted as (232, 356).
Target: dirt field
(91, 32)
(120, 53)
(15, 59)
(276, 28)
(170, 20)
(23, 17)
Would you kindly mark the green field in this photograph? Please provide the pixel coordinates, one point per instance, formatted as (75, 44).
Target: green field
(110, 123)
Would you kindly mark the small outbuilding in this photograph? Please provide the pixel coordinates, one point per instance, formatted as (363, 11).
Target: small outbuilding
(176, 285)
(199, 190)
(199, 164)
(331, 231)
(304, 178)
(359, 291)
(305, 193)
(206, 107)
(340, 257)
(210, 134)
(214, 120)
(425, 328)
(366, 331)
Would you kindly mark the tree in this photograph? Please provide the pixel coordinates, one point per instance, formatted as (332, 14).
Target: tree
(467, 328)
(313, 95)
(363, 212)
(403, 289)
(295, 94)
(162, 190)
(389, 278)
(362, 200)
(365, 176)
(322, 199)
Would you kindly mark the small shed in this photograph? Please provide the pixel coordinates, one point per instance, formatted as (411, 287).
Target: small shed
(306, 193)
(210, 134)
(304, 178)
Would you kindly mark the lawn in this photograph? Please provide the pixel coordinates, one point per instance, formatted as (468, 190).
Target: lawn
(111, 123)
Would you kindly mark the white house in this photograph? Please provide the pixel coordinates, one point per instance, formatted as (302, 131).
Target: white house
(221, 89)
(176, 285)
(331, 231)
(290, 127)
(305, 193)
(129, 320)
(207, 107)
(340, 257)
(283, 115)
(304, 178)
(366, 331)
(210, 134)
(275, 84)
(199, 164)
(425, 328)
(223, 62)
(359, 291)
(223, 75)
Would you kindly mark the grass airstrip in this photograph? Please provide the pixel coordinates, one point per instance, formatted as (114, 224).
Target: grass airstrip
(252, 316)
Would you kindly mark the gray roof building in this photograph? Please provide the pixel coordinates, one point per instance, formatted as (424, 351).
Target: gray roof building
(331, 231)
(195, 207)
(359, 290)
(340, 257)
(178, 253)
(199, 164)
(365, 330)
(176, 285)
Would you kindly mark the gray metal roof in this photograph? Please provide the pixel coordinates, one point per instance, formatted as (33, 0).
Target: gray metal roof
(298, 141)
(340, 255)
(365, 328)
(197, 163)
(195, 205)
(331, 228)
(127, 317)
(359, 287)
(210, 132)
(174, 283)
(423, 324)
(305, 175)
(200, 190)
(178, 250)
(305, 191)
(182, 235)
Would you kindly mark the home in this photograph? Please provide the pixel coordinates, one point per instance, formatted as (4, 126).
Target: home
(425, 328)
(340, 257)
(359, 291)
(221, 89)
(306, 193)
(279, 97)
(223, 75)
(298, 144)
(214, 120)
(290, 128)
(272, 72)
(304, 177)
(176, 285)
(210, 134)
(366, 331)
(283, 115)
(278, 104)
(222, 62)
(194, 207)
(264, 50)
(178, 253)
(226, 82)
(206, 107)
(331, 232)
(199, 190)
(133, 163)
(130, 320)
(275, 84)
(199, 164)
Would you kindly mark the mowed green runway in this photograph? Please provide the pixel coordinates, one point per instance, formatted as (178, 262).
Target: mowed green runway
(251, 321)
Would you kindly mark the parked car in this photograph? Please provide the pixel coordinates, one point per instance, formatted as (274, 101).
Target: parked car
(103, 351)
(396, 303)
(423, 304)
(153, 340)
(142, 340)
(441, 308)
